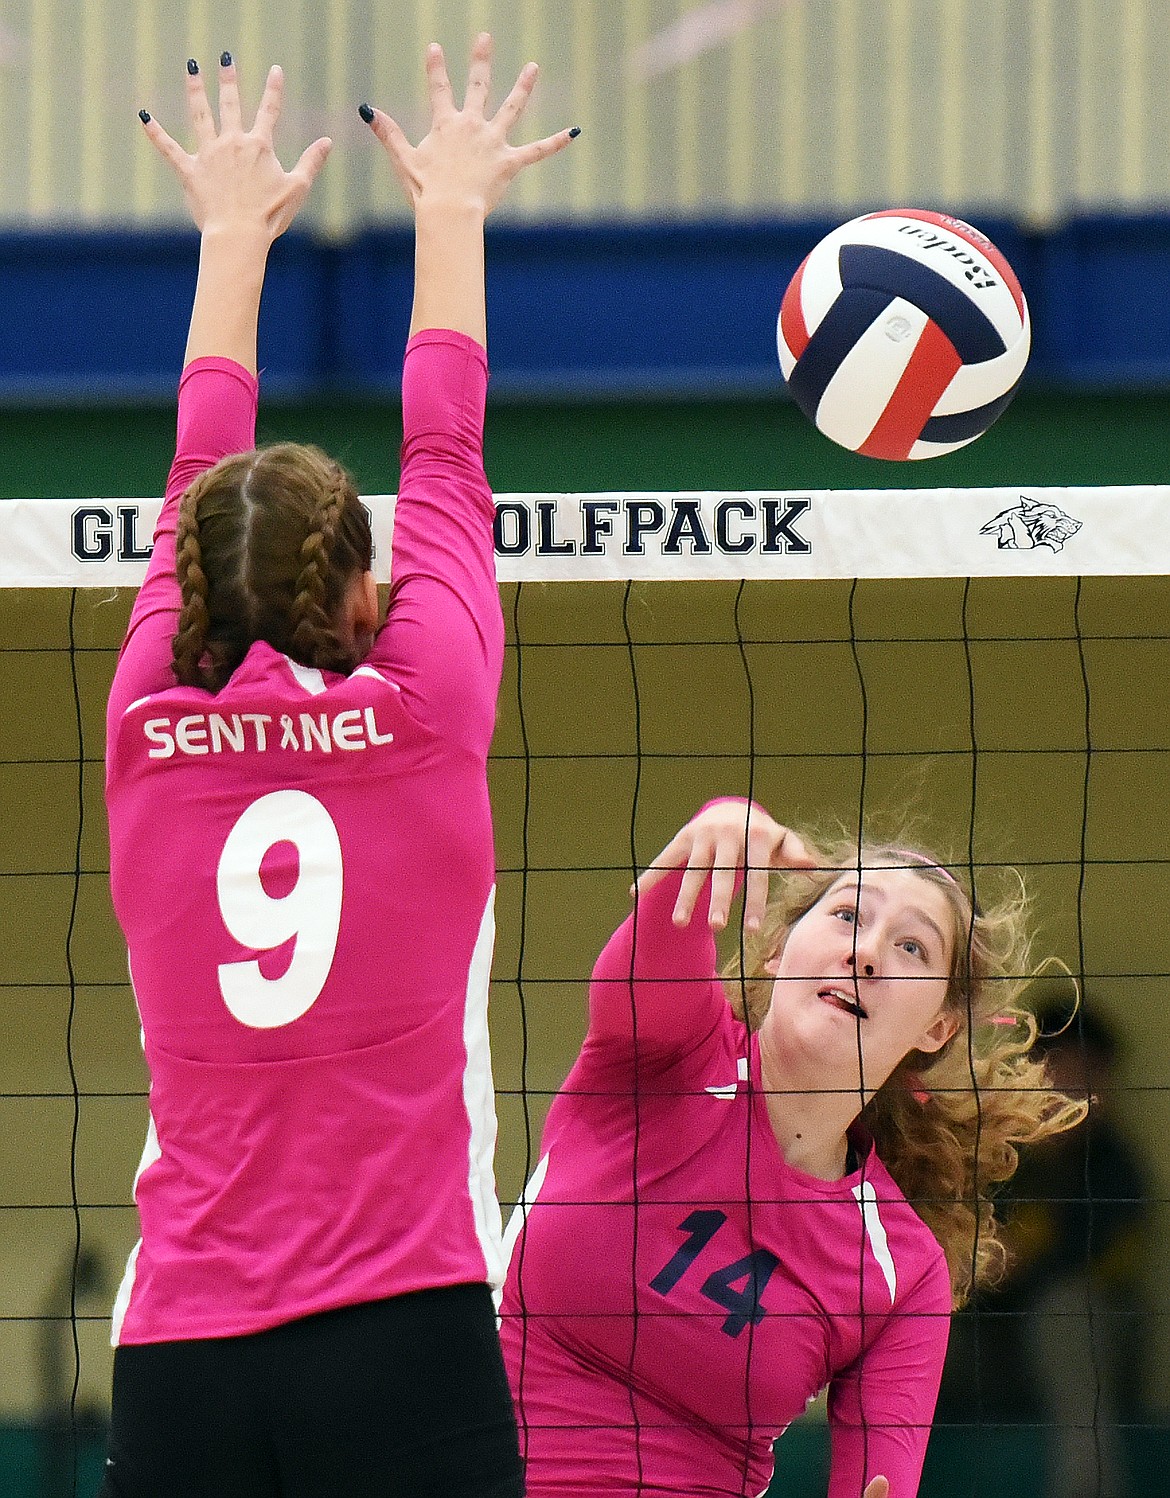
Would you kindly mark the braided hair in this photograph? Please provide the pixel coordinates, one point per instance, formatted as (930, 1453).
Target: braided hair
(267, 543)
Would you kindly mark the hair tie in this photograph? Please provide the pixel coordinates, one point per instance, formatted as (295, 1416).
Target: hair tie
(920, 860)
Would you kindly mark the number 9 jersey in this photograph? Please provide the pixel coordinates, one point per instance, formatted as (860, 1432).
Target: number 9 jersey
(302, 865)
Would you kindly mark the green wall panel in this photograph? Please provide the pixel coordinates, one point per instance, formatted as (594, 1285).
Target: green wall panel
(1046, 438)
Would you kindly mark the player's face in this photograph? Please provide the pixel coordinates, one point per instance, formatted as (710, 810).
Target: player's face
(871, 961)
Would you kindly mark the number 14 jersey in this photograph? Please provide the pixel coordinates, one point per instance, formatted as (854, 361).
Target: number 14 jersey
(677, 1293)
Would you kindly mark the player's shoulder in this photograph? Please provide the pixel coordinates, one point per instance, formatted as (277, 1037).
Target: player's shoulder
(899, 1216)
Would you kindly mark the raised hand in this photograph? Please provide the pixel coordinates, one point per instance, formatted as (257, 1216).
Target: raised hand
(724, 838)
(465, 158)
(233, 181)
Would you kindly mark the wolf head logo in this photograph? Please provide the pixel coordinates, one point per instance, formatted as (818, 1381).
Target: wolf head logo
(1031, 523)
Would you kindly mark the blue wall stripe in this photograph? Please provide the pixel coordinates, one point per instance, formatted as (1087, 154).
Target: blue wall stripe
(579, 312)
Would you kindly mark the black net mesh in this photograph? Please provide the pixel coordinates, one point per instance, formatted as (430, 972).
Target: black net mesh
(1019, 723)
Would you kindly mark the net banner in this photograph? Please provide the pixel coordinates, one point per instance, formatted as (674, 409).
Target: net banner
(52, 543)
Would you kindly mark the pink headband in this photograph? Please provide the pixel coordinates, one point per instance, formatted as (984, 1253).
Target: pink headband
(922, 861)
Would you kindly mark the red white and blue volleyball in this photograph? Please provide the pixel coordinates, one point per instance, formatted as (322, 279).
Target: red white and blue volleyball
(904, 334)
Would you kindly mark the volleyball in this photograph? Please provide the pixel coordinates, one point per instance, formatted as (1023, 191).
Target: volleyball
(904, 334)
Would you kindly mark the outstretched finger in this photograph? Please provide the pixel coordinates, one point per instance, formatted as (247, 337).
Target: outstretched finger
(878, 1488)
(170, 150)
(647, 880)
(229, 94)
(755, 898)
(479, 74)
(442, 98)
(540, 150)
(793, 852)
(395, 141)
(676, 853)
(271, 102)
(202, 119)
(724, 867)
(312, 160)
(701, 866)
(517, 101)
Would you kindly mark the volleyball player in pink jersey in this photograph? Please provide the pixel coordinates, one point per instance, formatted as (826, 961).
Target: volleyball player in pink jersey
(302, 864)
(740, 1204)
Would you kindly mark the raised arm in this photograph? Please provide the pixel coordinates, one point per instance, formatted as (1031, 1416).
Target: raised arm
(656, 975)
(241, 200)
(453, 179)
(443, 640)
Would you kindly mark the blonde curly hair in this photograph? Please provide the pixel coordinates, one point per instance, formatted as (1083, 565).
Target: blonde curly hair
(946, 1124)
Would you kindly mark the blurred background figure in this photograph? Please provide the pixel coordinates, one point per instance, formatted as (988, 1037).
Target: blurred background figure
(68, 1434)
(1062, 1341)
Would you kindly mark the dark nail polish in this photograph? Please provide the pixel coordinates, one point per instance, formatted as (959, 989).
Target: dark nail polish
(574, 132)
(144, 116)
(192, 66)
(366, 113)
(225, 59)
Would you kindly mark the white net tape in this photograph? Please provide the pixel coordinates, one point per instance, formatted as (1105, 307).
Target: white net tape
(908, 533)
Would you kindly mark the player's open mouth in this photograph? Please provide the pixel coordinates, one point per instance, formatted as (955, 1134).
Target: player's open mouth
(844, 1000)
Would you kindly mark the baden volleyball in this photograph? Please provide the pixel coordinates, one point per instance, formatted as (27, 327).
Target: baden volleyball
(904, 334)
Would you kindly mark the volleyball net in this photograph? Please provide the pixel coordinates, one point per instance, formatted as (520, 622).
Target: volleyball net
(993, 663)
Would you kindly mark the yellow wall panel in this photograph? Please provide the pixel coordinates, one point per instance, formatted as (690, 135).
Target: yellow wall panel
(690, 106)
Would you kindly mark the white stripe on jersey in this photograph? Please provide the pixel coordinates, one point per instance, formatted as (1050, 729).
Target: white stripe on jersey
(876, 1233)
(730, 1089)
(520, 1215)
(479, 1098)
(308, 676)
(122, 1299)
(151, 1151)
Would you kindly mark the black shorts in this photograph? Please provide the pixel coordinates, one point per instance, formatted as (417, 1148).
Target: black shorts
(399, 1398)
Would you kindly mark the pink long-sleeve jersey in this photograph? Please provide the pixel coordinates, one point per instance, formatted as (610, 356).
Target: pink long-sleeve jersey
(302, 865)
(676, 1293)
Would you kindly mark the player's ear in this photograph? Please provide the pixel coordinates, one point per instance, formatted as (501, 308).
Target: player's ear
(369, 601)
(938, 1033)
(361, 603)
